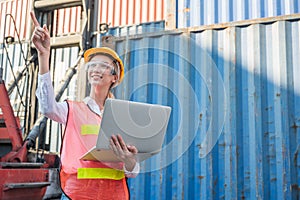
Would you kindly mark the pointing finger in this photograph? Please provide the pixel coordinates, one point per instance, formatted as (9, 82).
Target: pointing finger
(35, 22)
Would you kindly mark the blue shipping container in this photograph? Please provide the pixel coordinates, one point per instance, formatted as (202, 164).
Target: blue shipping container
(189, 13)
(235, 97)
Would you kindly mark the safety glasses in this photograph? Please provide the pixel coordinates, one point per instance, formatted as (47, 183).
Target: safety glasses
(101, 67)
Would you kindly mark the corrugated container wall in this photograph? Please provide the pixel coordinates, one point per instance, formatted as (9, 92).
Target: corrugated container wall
(189, 13)
(19, 12)
(176, 14)
(121, 13)
(234, 131)
(137, 29)
(67, 21)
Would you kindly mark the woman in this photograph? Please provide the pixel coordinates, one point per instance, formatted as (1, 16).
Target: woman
(86, 179)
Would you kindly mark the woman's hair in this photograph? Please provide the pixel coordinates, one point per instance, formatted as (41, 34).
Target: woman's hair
(110, 95)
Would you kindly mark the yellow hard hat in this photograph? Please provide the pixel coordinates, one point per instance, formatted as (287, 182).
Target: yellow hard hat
(108, 51)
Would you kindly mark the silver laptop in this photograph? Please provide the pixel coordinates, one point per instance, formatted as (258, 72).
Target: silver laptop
(140, 124)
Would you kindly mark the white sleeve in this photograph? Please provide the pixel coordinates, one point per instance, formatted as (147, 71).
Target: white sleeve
(134, 172)
(47, 104)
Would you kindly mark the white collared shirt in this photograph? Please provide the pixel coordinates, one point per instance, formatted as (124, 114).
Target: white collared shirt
(58, 111)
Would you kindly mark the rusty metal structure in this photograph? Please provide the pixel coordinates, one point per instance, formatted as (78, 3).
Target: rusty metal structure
(20, 178)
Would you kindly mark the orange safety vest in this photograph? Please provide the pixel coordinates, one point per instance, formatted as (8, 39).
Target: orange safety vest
(87, 179)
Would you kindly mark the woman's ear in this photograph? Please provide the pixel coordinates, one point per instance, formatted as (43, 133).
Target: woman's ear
(115, 79)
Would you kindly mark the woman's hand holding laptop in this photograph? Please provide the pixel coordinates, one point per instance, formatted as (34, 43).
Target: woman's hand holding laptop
(125, 153)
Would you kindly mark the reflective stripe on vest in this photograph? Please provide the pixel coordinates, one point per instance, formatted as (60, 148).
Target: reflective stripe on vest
(100, 173)
(89, 129)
